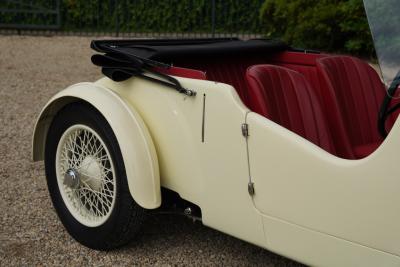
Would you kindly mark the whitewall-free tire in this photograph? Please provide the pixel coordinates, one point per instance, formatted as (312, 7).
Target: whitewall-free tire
(87, 181)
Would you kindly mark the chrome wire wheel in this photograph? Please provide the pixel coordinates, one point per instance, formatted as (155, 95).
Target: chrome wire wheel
(85, 175)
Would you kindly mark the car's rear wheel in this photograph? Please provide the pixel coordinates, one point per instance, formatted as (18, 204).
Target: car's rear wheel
(87, 180)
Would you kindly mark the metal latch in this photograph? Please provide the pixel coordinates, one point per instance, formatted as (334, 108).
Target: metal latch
(250, 188)
(245, 129)
(189, 92)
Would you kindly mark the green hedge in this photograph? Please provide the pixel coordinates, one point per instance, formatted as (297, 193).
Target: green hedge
(162, 15)
(176, 16)
(329, 25)
(27, 18)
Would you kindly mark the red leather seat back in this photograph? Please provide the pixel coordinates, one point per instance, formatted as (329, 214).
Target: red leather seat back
(285, 97)
(304, 63)
(230, 73)
(353, 93)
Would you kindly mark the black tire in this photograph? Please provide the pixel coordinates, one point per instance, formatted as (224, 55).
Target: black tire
(127, 216)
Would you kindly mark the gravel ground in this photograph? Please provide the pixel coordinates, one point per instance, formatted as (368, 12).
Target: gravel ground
(32, 69)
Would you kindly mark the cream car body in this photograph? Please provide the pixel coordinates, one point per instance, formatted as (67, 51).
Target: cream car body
(345, 210)
(251, 178)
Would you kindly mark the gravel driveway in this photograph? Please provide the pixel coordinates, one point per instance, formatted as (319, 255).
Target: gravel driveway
(32, 69)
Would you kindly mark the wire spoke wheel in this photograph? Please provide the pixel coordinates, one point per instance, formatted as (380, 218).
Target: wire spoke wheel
(87, 181)
(85, 175)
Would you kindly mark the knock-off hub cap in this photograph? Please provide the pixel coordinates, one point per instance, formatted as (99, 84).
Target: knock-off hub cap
(91, 173)
(71, 179)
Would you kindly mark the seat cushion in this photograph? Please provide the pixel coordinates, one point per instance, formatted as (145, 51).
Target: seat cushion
(353, 93)
(285, 97)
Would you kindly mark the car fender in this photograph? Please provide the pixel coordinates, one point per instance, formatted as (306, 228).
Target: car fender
(136, 144)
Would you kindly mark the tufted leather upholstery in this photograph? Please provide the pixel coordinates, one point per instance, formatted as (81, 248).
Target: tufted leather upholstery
(225, 70)
(349, 92)
(286, 97)
(231, 73)
(352, 94)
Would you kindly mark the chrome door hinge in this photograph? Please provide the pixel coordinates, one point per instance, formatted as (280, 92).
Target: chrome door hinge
(245, 130)
(250, 188)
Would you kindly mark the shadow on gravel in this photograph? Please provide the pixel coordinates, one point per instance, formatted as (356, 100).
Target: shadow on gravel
(174, 235)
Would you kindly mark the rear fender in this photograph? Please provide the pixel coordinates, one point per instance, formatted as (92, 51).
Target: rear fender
(136, 144)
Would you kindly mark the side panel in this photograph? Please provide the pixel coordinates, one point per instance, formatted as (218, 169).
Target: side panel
(319, 249)
(136, 145)
(212, 174)
(298, 183)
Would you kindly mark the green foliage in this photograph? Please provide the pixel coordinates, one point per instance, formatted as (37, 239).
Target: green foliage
(328, 25)
(160, 16)
(150, 16)
(13, 17)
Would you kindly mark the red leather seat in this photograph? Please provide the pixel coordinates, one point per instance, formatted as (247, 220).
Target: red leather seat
(352, 95)
(285, 97)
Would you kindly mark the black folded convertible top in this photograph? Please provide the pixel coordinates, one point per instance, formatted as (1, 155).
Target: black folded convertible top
(122, 59)
(170, 50)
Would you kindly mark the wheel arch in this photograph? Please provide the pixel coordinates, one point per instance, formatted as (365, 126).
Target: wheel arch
(136, 144)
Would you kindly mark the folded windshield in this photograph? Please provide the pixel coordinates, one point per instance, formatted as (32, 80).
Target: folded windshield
(383, 18)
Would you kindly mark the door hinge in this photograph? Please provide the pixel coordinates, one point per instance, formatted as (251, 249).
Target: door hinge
(250, 188)
(245, 130)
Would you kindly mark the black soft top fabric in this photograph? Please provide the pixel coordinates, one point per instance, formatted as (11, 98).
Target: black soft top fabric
(168, 51)
(121, 59)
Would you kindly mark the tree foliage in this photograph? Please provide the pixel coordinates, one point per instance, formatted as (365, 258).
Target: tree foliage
(154, 16)
(163, 15)
(328, 25)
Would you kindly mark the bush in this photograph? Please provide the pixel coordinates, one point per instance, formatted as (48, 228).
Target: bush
(328, 25)
(160, 16)
(143, 16)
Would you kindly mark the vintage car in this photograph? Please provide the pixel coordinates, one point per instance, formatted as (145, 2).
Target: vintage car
(291, 150)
